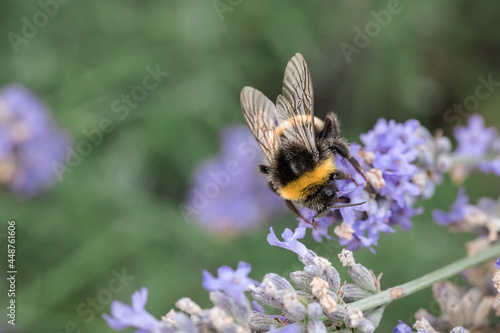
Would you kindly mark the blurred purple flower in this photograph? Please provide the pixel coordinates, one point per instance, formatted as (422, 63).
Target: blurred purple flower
(123, 315)
(30, 142)
(497, 264)
(478, 148)
(229, 195)
(457, 212)
(232, 282)
(290, 240)
(474, 140)
(491, 166)
(402, 328)
(290, 328)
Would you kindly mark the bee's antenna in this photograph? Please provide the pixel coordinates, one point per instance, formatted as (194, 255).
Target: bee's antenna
(346, 205)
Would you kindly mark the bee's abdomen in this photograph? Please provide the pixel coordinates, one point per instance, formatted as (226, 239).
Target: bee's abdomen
(308, 182)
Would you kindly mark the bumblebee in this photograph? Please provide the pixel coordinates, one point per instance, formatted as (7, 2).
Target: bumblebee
(300, 148)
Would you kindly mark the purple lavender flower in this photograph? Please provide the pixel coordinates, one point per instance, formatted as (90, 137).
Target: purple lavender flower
(497, 264)
(30, 142)
(290, 240)
(402, 328)
(123, 315)
(457, 213)
(229, 195)
(397, 160)
(320, 230)
(474, 140)
(232, 282)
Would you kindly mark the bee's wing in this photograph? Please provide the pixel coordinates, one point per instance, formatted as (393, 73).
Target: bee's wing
(260, 115)
(295, 105)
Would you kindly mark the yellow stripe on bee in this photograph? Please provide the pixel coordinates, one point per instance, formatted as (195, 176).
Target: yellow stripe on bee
(297, 189)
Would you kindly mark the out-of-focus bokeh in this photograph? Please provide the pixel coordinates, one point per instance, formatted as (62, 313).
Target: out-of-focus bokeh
(146, 88)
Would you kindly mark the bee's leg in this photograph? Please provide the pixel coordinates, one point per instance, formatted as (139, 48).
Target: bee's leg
(294, 210)
(331, 127)
(343, 150)
(339, 174)
(317, 215)
(263, 169)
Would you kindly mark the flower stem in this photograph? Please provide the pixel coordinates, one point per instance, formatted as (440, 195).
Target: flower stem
(389, 295)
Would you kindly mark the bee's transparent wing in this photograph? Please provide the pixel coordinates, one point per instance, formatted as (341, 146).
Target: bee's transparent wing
(260, 115)
(295, 105)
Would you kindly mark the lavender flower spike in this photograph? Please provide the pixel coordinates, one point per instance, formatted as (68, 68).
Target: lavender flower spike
(123, 315)
(290, 240)
(232, 282)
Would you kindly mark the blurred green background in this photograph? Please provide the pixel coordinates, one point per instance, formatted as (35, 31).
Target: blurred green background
(119, 208)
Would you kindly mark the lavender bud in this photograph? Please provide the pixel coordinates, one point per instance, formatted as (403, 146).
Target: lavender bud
(242, 311)
(337, 317)
(328, 304)
(169, 318)
(316, 326)
(219, 318)
(333, 278)
(459, 329)
(234, 328)
(322, 263)
(271, 290)
(221, 300)
(308, 259)
(353, 318)
(280, 282)
(305, 295)
(375, 315)
(423, 324)
(314, 311)
(363, 277)
(443, 145)
(346, 258)
(294, 310)
(319, 287)
(313, 270)
(267, 293)
(421, 313)
(302, 280)
(376, 179)
(184, 324)
(187, 305)
(328, 273)
(365, 326)
(353, 292)
(260, 322)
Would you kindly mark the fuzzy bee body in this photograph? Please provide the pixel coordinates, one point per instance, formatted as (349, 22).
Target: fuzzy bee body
(299, 147)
